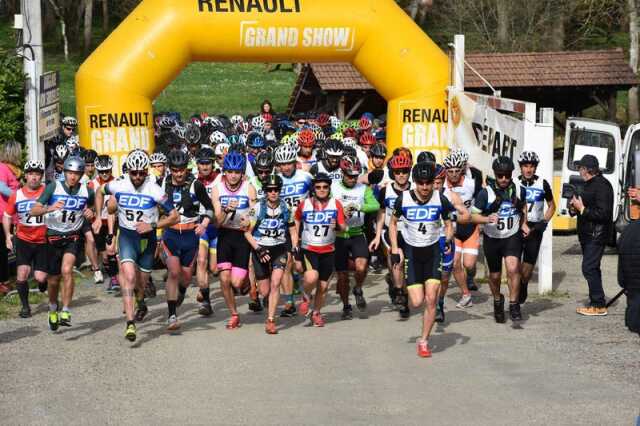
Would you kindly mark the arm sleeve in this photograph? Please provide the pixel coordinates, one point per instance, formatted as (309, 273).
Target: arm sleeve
(46, 194)
(397, 207)
(314, 170)
(4, 189)
(548, 193)
(10, 210)
(480, 202)
(203, 197)
(447, 207)
(91, 199)
(370, 202)
(601, 211)
(340, 217)
(477, 177)
(381, 195)
(107, 188)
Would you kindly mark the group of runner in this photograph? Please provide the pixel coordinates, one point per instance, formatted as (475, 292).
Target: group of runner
(275, 207)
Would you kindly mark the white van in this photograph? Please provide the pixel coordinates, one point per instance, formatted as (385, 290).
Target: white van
(601, 139)
(630, 175)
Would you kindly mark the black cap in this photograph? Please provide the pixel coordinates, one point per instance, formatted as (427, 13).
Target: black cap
(589, 161)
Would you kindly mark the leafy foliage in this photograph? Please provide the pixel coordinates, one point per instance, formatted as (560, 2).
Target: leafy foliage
(12, 81)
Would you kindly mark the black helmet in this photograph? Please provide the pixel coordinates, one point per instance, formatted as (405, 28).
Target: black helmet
(264, 160)
(503, 165)
(379, 150)
(273, 181)
(321, 177)
(426, 156)
(178, 158)
(205, 155)
(89, 156)
(423, 172)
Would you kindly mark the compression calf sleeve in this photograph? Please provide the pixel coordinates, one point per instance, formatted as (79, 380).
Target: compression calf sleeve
(23, 292)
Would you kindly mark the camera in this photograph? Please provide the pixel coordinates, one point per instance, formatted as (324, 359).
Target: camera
(574, 188)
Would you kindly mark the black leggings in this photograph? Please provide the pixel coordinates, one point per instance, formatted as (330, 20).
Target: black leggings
(4, 258)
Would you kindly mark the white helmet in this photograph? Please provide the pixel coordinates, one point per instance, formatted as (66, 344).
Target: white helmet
(34, 166)
(335, 121)
(73, 142)
(454, 160)
(158, 158)
(70, 121)
(61, 152)
(221, 149)
(104, 163)
(218, 137)
(258, 122)
(236, 119)
(137, 160)
(529, 157)
(287, 153)
(350, 142)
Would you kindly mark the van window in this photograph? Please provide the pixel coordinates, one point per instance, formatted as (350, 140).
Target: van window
(631, 163)
(583, 141)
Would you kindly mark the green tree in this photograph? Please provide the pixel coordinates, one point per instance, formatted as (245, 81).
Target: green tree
(12, 81)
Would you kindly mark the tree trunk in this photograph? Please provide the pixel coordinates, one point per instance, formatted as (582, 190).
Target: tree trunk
(504, 18)
(88, 25)
(63, 28)
(105, 17)
(633, 108)
(556, 43)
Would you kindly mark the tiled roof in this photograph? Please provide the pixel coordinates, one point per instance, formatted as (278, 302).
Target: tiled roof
(539, 69)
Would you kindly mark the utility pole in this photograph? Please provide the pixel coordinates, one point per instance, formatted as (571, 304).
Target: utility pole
(33, 67)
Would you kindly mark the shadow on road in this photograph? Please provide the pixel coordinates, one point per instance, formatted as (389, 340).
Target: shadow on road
(20, 333)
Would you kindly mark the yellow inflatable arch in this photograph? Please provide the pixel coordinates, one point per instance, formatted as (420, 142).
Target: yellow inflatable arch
(116, 85)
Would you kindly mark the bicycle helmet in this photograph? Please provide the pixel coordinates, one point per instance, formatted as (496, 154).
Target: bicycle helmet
(423, 172)
(349, 150)
(464, 155)
(167, 122)
(267, 117)
(218, 137)
(205, 155)
(426, 156)
(333, 148)
(350, 132)
(379, 150)
(503, 165)
(196, 120)
(60, 152)
(73, 142)
(321, 177)
(255, 140)
(104, 163)
(192, 135)
(69, 121)
(74, 164)
(349, 142)
(529, 157)
(320, 136)
(350, 166)
(286, 154)
(180, 132)
(273, 181)
(178, 159)
(89, 156)
(236, 120)
(399, 162)
(367, 139)
(453, 160)
(306, 138)
(264, 161)
(221, 149)
(234, 161)
(335, 122)
(243, 127)
(441, 172)
(257, 122)
(323, 120)
(158, 158)
(365, 123)
(336, 136)
(33, 166)
(137, 160)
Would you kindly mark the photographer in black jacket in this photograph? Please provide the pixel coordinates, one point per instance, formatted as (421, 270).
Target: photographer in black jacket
(595, 219)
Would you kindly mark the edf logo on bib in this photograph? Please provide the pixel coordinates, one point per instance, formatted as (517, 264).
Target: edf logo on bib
(324, 217)
(506, 210)
(243, 202)
(25, 206)
(135, 201)
(534, 194)
(298, 188)
(70, 203)
(422, 213)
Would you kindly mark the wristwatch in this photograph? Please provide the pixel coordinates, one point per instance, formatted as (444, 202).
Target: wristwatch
(154, 225)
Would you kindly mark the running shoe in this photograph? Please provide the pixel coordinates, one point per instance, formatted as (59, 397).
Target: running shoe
(592, 311)
(130, 333)
(97, 277)
(347, 313)
(376, 266)
(317, 320)
(270, 327)
(471, 285)
(65, 318)
(514, 311)
(465, 301)
(423, 349)
(288, 311)
(205, 309)
(303, 307)
(141, 311)
(361, 303)
(255, 306)
(234, 322)
(404, 312)
(524, 292)
(400, 299)
(498, 310)
(150, 290)
(115, 285)
(439, 314)
(25, 312)
(54, 321)
(172, 323)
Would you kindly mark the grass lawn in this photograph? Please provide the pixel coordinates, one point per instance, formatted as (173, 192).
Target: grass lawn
(216, 88)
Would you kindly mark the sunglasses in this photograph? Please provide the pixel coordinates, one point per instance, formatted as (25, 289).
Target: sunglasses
(321, 187)
(205, 162)
(271, 190)
(263, 172)
(174, 170)
(104, 172)
(219, 157)
(137, 173)
(68, 128)
(501, 176)
(402, 172)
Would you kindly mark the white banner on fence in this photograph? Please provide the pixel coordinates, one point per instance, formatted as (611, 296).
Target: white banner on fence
(484, 132)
